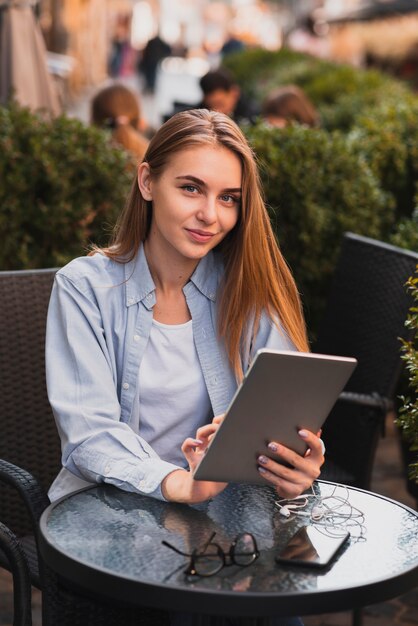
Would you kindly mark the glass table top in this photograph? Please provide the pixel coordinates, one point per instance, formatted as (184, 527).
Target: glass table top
(121, 533)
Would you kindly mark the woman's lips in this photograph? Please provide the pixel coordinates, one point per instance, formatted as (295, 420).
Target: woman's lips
(200, 236)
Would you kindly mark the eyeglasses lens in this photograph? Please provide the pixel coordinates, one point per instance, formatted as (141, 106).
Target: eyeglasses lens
(210, 562)
(245, 550)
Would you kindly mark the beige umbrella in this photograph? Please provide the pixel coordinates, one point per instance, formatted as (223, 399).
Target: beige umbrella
(23, 67)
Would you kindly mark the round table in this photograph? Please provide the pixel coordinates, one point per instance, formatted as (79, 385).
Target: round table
(108, 541)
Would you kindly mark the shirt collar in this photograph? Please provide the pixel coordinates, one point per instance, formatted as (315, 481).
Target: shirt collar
(141, 287)
(139, 283)
(207, 275)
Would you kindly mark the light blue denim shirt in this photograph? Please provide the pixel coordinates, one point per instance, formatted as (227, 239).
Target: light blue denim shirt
(99, 321)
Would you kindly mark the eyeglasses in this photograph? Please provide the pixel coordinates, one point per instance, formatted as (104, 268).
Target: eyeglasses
(211, 558)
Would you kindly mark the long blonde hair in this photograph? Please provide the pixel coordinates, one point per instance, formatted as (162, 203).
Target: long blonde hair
(256, 277)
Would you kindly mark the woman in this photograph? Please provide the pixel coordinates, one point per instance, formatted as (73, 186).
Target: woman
(289, 104)
(117, 108)
(148, 339)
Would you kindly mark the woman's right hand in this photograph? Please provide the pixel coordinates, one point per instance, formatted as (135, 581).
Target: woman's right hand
(180, 486)
(195, 449)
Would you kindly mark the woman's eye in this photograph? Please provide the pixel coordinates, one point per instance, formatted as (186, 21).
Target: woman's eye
(190, 188)
(230, 199)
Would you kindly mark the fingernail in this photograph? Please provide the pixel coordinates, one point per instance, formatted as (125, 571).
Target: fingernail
(262, 470)
(262, 459)
(303, 433)
(197, 442)
(272, 446)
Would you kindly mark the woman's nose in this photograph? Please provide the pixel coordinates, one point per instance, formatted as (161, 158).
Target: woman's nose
(208, 211)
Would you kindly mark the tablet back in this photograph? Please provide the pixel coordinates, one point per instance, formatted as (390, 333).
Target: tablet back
(281, 393)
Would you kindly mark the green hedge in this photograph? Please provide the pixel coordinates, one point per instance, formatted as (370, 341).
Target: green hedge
(406, 233)
(62, 186)
(387, 139)
(340, 92)
(317, 188)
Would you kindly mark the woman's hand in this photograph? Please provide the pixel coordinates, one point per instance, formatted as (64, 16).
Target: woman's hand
(292, 481)
(179, 486)
(194, 449)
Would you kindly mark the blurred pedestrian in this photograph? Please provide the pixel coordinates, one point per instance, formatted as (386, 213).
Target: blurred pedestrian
(232, 45)
(222, 93)
(120, 46)
(288, 104)
(117, 108)
(154, 52)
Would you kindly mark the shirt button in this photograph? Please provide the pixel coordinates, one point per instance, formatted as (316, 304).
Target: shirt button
(107, 470)
(141, 484)
(149, 296)
(125, 385)
(137, 337)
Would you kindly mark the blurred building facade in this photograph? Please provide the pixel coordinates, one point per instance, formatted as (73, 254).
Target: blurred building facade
(88, 31)
(99, 38)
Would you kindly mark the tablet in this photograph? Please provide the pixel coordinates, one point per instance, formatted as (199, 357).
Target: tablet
(281, 393)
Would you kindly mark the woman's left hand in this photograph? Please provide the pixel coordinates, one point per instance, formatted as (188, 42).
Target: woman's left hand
(292, 481)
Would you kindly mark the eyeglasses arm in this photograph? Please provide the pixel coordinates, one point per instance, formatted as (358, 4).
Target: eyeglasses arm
(169, 545)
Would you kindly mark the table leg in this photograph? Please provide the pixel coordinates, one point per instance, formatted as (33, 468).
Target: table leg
(357, 617)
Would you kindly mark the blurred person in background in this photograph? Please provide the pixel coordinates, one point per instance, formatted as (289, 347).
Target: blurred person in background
(232, 44)
(222, 93)
(116, 108)
(289, 104)
(154, 52)
(121, 51)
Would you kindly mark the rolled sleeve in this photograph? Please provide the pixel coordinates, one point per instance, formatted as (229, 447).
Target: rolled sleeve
(143, 477)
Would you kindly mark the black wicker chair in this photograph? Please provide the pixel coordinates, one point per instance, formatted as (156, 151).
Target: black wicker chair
(365, 317)
(11, 548)
(30, 453)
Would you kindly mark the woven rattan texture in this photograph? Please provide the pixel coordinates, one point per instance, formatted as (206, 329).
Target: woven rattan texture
(28, 433)
(21, 577)
(364, 318)
(366, 312)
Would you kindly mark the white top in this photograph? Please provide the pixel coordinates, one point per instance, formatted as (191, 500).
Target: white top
(171, 394)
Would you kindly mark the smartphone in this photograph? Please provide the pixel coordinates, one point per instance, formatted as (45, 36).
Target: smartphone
(311, 546)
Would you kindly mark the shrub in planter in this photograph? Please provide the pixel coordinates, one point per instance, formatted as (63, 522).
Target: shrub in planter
(406, 233)
(316, 189)
(387, 139)
(254, 66)
(408, 413)
(62, 186)
(340, 92)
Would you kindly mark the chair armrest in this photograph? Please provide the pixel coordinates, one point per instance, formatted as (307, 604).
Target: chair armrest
(19, 567)
(29, 488)
(372, 400)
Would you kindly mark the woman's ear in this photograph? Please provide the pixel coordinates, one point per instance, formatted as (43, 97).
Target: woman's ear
(144, 181)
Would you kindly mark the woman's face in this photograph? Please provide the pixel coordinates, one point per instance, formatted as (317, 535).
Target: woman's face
(196, 201)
